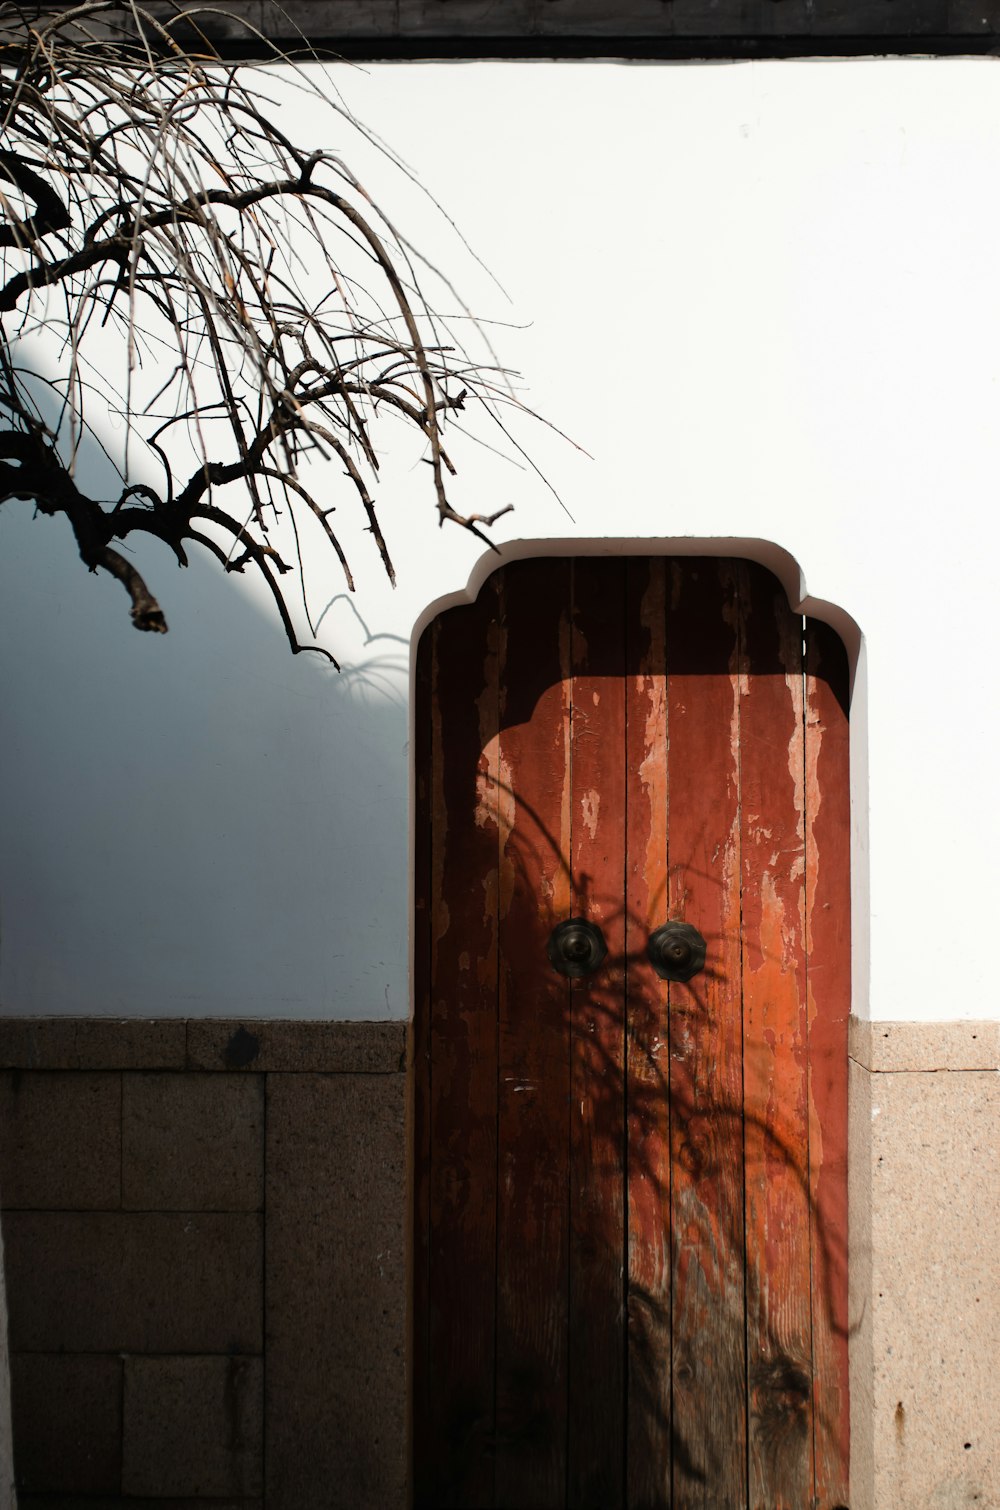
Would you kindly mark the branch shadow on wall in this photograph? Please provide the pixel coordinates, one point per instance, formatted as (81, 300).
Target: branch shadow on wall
(179, 809)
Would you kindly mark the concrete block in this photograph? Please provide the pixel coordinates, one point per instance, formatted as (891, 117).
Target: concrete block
(192, 1142)
(859, 1272)
(128, 1502)
(335, 1405)
(60, 1140)
(887, 1047)
(193, 1427)
(935, 1328)
(67, 1422)
(131, 1282)
(91, 1043)
(322, 1047)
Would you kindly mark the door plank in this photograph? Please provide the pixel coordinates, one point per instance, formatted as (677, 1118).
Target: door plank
(828, 942)
(420, 1069)
(533, 1044)
(772, 773)
(597, 1105)
(648, 1064)
(709, 1425)
(458, 1451)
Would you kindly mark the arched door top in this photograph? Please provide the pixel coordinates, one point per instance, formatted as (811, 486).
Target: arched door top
(630, 1251)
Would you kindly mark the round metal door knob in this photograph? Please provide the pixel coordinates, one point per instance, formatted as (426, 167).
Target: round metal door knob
(576, 948)
(676, 951)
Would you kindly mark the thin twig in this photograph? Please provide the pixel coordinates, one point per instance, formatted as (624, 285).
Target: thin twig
(149, 185)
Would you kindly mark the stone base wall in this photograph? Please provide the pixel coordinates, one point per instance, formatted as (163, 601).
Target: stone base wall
(205, 1255)
(206, 1264)
(925, 1265)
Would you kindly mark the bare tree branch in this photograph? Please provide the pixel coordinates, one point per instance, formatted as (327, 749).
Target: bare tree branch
(148, 185)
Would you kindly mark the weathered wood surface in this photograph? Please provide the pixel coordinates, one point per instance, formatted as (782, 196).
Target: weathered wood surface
(533, 1041)
(775, 1116)
(462, 1196)
(828, 986)
(630, 1248)
(667, 28)
(647, 1105)
(421, 1447)
(706, 1047)
(595, 1447)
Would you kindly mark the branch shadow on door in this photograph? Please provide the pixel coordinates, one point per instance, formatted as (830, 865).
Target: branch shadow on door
(630, 1255)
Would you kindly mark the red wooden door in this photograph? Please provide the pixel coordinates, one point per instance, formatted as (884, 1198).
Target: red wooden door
(630, 1282)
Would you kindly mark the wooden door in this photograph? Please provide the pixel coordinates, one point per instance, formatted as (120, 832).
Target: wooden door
(630, 1247)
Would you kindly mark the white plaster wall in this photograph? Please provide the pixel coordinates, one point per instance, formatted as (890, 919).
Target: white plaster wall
(765, 298)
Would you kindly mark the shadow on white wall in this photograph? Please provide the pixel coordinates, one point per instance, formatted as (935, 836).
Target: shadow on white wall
(187, 819)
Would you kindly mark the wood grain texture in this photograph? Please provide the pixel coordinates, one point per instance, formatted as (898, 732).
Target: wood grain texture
(534, 1065)
(709, 1408)
(630, 1236)
(648, 1256)
(463, 1096)
(828, 980)
(772, 839)
(420, 1072)
(595, 1447)
(664, 25)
